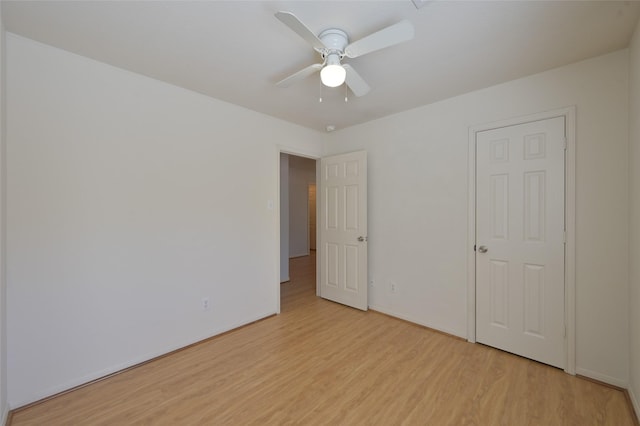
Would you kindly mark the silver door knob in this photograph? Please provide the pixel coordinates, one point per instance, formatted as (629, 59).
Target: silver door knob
(483, 249)
(361, 238)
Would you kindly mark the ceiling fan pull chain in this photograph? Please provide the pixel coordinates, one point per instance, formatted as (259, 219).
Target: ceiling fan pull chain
(320, 90)
(346, 94)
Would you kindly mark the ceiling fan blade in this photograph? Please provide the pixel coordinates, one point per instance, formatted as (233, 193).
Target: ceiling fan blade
(397, 33)
(358, 86)
(291, 21)
(303, 73)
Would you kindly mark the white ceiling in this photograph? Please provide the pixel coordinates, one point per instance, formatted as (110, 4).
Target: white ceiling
(237, 50)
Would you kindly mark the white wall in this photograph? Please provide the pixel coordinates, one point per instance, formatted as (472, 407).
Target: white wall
(302, 172)
(3, 286)
(284, 217)
(128, 201)
(634, 215)
(418, 203)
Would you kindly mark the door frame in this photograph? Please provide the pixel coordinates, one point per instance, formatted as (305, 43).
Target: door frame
(569, 114)
(309, 233)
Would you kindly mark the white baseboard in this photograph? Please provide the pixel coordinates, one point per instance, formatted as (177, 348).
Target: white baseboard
(621, 383)
(391, 313)
(634, 401)
(294, 255)
(5, 415)
(81, 381)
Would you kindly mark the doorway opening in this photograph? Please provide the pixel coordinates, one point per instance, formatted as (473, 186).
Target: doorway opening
(297, 225)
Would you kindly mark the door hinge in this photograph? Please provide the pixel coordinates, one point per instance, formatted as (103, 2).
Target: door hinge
(474, 247)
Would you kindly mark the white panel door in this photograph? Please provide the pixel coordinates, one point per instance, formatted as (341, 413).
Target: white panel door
(520, 239)
(343, 229)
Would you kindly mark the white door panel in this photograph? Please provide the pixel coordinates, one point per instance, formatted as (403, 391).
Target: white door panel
(520, 223)
(343, 220)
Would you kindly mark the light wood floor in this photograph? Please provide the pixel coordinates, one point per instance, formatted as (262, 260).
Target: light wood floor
(323, 363)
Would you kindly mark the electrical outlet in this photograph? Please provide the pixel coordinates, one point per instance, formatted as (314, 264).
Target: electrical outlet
(393, 287)
(372, 283)
(205, 304)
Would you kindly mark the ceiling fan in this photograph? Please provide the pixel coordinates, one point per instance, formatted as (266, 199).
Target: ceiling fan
(333, 45)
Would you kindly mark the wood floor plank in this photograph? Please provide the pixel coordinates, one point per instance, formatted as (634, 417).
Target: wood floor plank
(305, 366)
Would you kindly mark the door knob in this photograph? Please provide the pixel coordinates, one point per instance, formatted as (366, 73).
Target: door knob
(483, 249)
(361, 238)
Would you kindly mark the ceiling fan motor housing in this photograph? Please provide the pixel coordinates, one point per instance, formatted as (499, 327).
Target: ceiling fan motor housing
(335, 41)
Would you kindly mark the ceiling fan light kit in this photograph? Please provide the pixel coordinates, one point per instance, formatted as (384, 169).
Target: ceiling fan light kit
(333, 45)
(333, 74)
